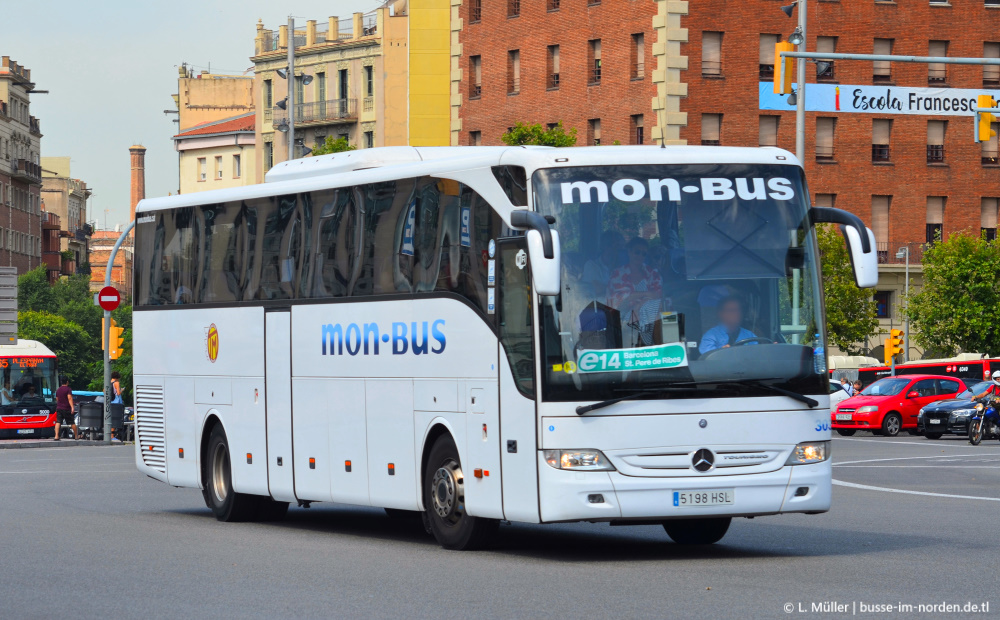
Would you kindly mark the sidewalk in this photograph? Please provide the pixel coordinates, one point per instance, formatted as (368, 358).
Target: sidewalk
(7, 444)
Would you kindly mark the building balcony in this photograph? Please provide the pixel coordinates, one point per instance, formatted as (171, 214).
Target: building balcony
(330, 112)
(50, 221)
(68, 267)
(34, 126)
(25, 170)
(52, 260)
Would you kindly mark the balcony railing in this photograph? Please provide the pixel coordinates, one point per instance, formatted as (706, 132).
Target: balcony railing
(3, 108)
(935, 153)
(318, 112)
(27, 171)
(595, 76)
(880, 152)
(826, 74)
(368, 104)
(887, 251)
(766, 72)
(369, 25)
(553, 80)
(52, 260)
(475, 91)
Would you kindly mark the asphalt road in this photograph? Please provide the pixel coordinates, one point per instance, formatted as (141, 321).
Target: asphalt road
(82, 534)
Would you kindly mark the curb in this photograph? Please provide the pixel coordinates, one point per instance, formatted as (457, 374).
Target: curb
(10, 445)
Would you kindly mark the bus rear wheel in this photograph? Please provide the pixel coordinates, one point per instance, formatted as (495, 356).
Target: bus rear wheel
(226, 504)
(697, 531)
(444, 501)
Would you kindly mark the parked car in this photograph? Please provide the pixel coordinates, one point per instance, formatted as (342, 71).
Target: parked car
(950, 416)
(891, 404)
(837, 395)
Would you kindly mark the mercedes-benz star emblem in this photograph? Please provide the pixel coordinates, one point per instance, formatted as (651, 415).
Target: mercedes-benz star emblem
(703, 423)
(703, 460)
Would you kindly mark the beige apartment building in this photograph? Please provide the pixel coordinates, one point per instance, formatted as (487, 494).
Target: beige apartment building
(66, 198)
(375, 79)
(215, 138)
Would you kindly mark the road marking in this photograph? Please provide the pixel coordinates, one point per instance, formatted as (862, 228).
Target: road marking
(866, 487)
(926, 466)
(62, 472)
(910, 458)
(926, 443)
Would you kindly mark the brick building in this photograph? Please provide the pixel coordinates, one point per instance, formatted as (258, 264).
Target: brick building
(20, 172)
(599, 66)
(103, 241)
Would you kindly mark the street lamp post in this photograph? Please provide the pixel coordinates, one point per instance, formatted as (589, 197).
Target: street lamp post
(904, 252)
(800, 97)
(291, 87)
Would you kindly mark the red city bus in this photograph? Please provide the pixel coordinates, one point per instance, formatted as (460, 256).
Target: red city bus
(974, 370)
(28, 383)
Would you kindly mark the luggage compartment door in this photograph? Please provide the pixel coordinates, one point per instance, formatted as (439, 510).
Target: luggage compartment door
(278, 395)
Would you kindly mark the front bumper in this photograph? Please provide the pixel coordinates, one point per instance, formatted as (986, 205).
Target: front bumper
(950, 424)
(568, 495)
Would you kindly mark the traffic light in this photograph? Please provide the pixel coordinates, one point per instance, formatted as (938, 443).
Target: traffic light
(784, 68)
(116, 339)
(893, 344)
(985, 120)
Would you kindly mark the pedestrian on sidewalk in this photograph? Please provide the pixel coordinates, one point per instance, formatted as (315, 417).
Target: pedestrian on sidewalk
(846, 385)
(64, 408)
(116, 393)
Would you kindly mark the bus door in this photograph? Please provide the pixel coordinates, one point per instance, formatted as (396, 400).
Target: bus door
(278, 394)
(515, 327)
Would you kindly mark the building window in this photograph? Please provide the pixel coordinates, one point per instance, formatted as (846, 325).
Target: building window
(881, 132)
(593, 2)
(552, 67)
(300, 90)
(553, 5)
(935, 141)
(320, 86)
(989, 150)
(369, 139)
(202, 169)
(342, 77)
(218, 166)
(882, 304)
(825, 128)
(268, 95)
(825, 200)
(711, 129)
(882, 69)
(711, 54)
(594, 132)
(476, 71)
(513, 72)
(766, 61)
(988, 218)
(594, 61)
(369, 81)
(768, 131)
(343, 136)
(237, 167)
(937, 72)
(513, 8)
(880, 225)
(825, 45)
(935, 218)
(475, 11)
(268, 156)
(991, 73)
(638, 56)
(638, 135)
(475, 138)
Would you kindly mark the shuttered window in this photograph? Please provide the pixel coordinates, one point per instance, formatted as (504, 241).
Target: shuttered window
(824, 137)
(768, 131)
(881, 131)
(936, 71)
(991, 73)
(825, 200)
(825, 45)
(767, 43)
(711, 128)
(935, 218)
(935, 141)
(880, 220)
(882, 69)
(711, 53)
(988, 216)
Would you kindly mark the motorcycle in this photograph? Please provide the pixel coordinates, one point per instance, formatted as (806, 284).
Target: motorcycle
(982, 425)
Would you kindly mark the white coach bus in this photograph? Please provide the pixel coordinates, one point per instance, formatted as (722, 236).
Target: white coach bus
(616, 334)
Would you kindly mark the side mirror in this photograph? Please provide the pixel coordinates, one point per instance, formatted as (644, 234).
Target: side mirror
(545, 271)
(860, 242)
(913, 394)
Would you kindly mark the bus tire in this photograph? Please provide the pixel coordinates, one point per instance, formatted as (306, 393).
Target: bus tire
(846, 432)
(705, 531)
(444, 501)
(226, 504)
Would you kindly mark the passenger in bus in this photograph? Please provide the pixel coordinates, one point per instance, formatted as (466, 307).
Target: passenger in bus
(730, 329)
(635, 283)
(5, 394)
(597, 271)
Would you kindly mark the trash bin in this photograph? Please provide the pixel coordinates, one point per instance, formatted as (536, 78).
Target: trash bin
(91, 419)
(118, 417)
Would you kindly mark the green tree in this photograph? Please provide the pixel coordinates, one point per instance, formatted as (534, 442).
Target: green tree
(333, 146)
(522, 134)
(850, 311)
(34, 291)
(958, 306)
(73, 346)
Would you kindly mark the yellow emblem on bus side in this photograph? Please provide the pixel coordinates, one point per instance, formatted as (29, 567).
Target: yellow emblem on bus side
(212, 342)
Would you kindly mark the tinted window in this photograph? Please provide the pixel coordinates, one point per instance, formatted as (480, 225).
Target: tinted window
(925, 387)
(947, 386)
(886, 387)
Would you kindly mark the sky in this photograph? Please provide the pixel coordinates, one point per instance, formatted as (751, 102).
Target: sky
(110, 67)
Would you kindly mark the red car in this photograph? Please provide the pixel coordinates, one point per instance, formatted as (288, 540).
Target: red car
(891, 404)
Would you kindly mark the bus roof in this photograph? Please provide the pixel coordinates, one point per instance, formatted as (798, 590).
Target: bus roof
(25, 348)
(395, 162)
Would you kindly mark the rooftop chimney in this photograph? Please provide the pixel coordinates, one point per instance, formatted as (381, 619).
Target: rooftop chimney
(138, 156)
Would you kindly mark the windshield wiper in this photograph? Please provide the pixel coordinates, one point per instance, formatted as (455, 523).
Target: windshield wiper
(757, 383)
(633, 395)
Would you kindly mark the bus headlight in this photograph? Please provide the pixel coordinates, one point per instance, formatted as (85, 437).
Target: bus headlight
(578, 460)
(809, 452)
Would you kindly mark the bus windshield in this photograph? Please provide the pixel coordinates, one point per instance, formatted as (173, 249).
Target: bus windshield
(29, 380)
(690, 278)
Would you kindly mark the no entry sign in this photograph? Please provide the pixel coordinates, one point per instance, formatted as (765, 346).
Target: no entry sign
(109, 298)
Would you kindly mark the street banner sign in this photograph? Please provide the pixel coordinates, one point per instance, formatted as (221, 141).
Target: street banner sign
(109, 298)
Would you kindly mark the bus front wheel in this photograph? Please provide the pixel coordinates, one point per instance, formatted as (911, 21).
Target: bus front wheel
(217, 487)
(697, 531)
(444, 501)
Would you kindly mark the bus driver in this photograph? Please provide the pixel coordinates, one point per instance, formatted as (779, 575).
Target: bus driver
(730, 329)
